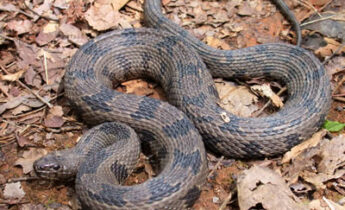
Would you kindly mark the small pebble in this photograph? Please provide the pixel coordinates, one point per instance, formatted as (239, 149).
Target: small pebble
(215, 199)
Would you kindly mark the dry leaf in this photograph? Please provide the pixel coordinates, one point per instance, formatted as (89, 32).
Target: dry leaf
(297, 150)
(332, 164)
(102, 17)
(265, 90)
(118, 4)
(8, 7)
(20, 26)
(74, 34)
(56, 110)
(14, 191)
(52, 121)
(236, 99)
(12, 77)
(262, 186)
(324, 204)
(29, 157)
(12, 103)
(217, 43)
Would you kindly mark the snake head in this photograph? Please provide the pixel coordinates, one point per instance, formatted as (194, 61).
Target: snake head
(55, 166)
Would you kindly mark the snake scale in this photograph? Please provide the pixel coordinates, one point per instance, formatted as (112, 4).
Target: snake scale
(175, 135)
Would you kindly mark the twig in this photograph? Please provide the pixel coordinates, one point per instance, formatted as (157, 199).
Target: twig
(309, 6)
(39, 15)
(340, 83)
(258, 113)
(215, 167)
(26, 87)
(334, 53)
(342, 99)
(19, 179)
(7, 37)
(318, 20)
(45, 66)
(226, 201)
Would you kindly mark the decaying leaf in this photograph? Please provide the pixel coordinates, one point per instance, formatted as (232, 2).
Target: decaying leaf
(265, 90)
(118, 4)
(102, 17)
(29, 157)
(14, 191)
(12, 77)
(332, 164)
(74, 34)
(236, 99)
(20, 26)
(324, 204)
(297, 150)
(262, 187)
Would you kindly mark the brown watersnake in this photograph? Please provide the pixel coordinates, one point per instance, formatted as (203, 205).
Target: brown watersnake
(172, 138)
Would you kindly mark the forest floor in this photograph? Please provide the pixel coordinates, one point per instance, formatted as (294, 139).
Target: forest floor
(38, 38)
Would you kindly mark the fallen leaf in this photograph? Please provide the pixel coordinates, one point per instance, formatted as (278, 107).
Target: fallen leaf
(102, 17)
(137, 87)
(56, 110)
(324, 204)
(260, 186)
(12, 103)
(265, 90)
(14, 191)
(236, 99)
(118, 4)
(8, 7)
(332, 164)
(52, 121)
(20, 26)
(217, 43)
(297, 150)
(12, 77)
(29, 157)
(74, 34)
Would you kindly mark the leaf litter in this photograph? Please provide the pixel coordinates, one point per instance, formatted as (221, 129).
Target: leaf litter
(38, 38)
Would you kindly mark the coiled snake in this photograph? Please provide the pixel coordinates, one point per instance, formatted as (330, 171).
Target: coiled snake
(172, 136)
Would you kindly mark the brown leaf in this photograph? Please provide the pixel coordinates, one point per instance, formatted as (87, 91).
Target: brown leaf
(266, 91)
(236, 99)
(52, 121)
(262, 186)
(297, 150)
(56, 110)
(29, 157)
(27, 53)
(20, 26)
(23, 141)
(12, 103)
(12, 77)
(74, 34)
(8, 7)
(118, 4)
(102, 17)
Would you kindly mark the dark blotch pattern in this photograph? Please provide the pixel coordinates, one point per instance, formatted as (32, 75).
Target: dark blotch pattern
(97, 102)
(191, 196)
(178, 128)
(119, 170)
(147, 109)
(192, 161)
(109, 195)
(159, 189)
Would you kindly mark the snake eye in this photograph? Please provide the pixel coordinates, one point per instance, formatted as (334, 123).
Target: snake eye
(56, 167)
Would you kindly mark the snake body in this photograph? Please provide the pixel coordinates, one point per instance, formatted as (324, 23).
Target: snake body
(174, 135)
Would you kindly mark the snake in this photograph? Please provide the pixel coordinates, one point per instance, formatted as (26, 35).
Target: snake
(175, 134)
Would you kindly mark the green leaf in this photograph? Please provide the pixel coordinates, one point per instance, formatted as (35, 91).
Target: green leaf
(333, 126)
